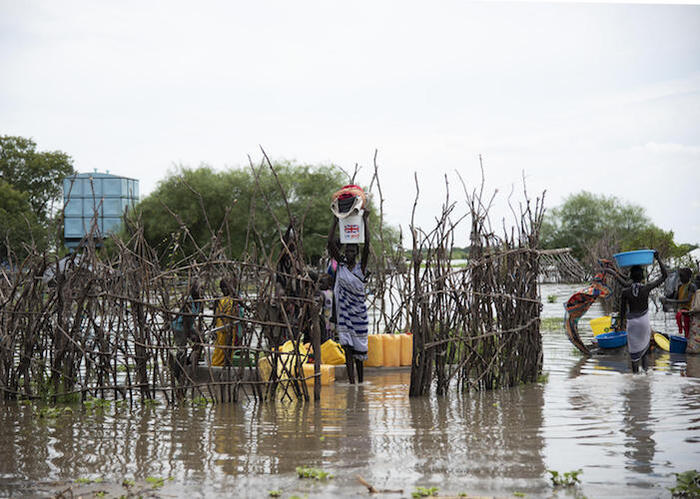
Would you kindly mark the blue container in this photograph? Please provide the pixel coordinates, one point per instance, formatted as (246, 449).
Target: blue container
(612, 340)
(678, 344)
(639, 257)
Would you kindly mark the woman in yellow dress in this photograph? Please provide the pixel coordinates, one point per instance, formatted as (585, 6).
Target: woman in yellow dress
(225, 314)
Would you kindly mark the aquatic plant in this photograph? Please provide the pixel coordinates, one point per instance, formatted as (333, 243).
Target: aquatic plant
(275, 493)
(424, 492)
(543, 378)
(519, 494)
(551, 298)
(96, 404)
(50, 412)
(86, 481)
(551, 323)
(567, 479)
(202, 401)
(156, 482)
(128, 483)
(687, 484)
(315, 473)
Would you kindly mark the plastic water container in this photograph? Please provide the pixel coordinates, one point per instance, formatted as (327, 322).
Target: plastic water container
(678, 344)
(638, 257)
(375, 350)
(327, 374)
(601, 325)
(352, 229)
(392, 350)
(406, 349)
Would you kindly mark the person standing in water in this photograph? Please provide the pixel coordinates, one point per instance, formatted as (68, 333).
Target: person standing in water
(681, 298)
(352, 322)
(635, 303)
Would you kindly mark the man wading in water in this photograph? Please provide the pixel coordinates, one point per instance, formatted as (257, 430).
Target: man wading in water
(351, 309)
(635, 302)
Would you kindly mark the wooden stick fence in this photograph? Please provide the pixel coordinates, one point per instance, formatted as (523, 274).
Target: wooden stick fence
(100, 326)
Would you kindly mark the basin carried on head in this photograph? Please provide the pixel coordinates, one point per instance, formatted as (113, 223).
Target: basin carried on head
(612, 340)
(638, 257)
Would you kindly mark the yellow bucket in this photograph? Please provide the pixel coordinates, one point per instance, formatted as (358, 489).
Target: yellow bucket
(601, 325)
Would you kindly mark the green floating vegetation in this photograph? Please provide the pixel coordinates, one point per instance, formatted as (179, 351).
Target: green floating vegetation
(50, 412)
(314, 473)
(687, 484)
(151, 402)
(202, 401)
(519, 494)
(424, 492)
(543, 378)
(275, 493)
(568, 479)
(96, 404)
(128, 483)
(552, 323)
(551, 298)
(155, 481)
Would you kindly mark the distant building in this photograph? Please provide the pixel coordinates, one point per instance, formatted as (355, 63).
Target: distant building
(95, 198)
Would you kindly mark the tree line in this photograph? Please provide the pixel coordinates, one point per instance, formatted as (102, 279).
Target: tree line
(224, 203)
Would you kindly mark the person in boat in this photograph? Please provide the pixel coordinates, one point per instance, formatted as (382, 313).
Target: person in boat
(681, 298)
(635, 305)
(226, 309)
(352, 322)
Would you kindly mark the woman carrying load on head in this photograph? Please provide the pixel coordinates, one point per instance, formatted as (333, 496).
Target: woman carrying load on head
(351, 310)
(635, 303)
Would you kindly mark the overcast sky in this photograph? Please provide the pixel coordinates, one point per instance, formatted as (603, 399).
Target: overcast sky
(599, 97)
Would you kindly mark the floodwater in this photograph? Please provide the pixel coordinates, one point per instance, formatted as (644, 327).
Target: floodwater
(627, 433)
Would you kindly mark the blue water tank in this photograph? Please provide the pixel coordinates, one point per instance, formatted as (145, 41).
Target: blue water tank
(94, 203)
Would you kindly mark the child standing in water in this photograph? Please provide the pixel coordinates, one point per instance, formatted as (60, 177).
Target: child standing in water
(351, 310)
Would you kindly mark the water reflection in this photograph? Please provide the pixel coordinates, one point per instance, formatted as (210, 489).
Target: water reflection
(629, 433)
(637, 426)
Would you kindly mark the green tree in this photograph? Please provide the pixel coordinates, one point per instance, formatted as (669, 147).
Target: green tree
(18, 223)
(585, 220)
(38, 174)
(196, 201)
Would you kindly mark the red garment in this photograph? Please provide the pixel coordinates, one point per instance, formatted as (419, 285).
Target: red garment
(683, 321)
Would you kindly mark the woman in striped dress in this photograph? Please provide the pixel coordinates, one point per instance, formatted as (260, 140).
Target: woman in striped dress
(351, 310)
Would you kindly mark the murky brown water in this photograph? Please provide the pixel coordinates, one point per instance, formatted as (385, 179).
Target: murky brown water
(628, 433)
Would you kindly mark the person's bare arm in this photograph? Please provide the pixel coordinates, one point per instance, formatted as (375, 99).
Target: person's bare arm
(664, 273)
(619, 278)
(364, 260)
(332, 246)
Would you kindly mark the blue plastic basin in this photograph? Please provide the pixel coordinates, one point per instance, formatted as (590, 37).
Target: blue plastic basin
(612, 340)
(678, 344)
(638, 257)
